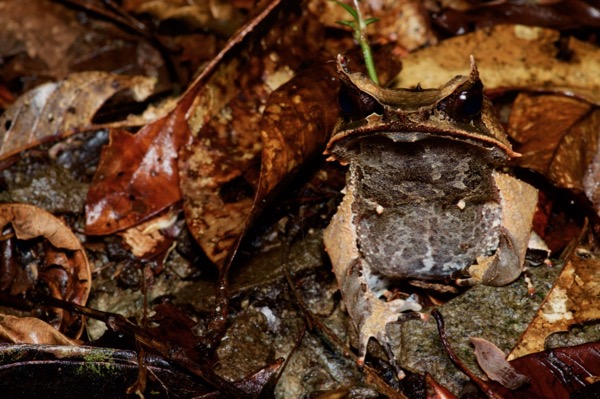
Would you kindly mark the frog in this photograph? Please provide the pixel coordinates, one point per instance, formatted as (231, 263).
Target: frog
(425, 199)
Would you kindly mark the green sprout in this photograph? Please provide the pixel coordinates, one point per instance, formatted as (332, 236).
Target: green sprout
(359, 26)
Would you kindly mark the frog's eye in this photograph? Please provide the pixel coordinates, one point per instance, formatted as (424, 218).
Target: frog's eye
(466, 104)
(357, 104)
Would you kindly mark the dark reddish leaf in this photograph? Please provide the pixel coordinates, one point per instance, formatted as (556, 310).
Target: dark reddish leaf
(137, 176)
(220, 170)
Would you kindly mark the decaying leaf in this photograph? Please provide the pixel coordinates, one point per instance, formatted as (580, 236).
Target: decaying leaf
(66, 271)
(574, 299)
(493, 362)
(146, 239)
(509, 57)
(30, 330)
(138, 175)
(220, 17)
(220, 170)
(54, 110)
(555, 135)
(33, 371)
(45, 40)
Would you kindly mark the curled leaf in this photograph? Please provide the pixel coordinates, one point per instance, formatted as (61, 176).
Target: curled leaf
(65, 271)
(30, 330)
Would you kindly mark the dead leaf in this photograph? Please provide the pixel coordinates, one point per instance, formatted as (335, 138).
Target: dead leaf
(574, 299)
(220, 170)
(544, 126)
(66, 271)
(509, 57)
(220, 17)
(146, 239)
(44, 40)
(138, 175)
(55, 110)
(492, 361)
(30, 330)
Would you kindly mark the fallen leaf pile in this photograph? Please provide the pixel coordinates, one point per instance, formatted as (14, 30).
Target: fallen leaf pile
(163, 194)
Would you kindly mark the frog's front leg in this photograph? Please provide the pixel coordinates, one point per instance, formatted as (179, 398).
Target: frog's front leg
(369, 313)
(518, 201)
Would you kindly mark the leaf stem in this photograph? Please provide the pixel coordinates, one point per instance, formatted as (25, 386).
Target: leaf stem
(361, 36)
(359, 27)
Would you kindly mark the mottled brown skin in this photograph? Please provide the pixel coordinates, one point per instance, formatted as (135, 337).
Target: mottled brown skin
(423, 197)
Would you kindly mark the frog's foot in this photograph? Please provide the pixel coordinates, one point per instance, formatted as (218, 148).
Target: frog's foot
(372, 315)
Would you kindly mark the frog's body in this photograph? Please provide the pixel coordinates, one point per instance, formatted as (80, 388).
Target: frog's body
(423, 197)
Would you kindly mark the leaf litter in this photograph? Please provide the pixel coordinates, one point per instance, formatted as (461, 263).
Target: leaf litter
(245, 185)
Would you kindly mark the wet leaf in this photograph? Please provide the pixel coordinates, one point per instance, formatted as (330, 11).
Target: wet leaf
(137, 176)
(510, 57)
(55, 110)
(27, 369)
(66, 272)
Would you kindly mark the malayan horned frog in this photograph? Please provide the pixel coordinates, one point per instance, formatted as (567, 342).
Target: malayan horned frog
(423, 197)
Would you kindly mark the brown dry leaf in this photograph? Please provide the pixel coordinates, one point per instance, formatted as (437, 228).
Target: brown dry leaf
(492, 361)
(54, 110)
(66, 272)
(220, 170)
(296, 124)
(509, 57)
(558, 137)
(216, 16)
(30, 330)
(43, 40)
(540, 125)
(138, 175)
(574, 299)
